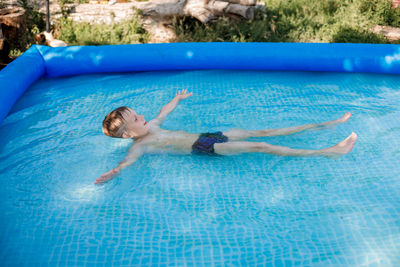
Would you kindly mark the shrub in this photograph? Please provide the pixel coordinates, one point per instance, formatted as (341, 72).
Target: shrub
(83, 33)
(351, 35)
(223, 30)
(380, 12)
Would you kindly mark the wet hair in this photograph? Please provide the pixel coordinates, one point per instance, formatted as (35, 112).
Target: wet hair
(113, 124)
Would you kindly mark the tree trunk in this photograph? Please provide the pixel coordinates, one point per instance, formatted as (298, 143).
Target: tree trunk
(14, 17)
(12, 23)
(12, 26)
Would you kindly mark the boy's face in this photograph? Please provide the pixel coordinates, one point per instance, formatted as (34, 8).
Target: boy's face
(135, 125)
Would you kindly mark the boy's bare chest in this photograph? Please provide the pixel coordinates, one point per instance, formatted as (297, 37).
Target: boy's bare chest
(165, 140)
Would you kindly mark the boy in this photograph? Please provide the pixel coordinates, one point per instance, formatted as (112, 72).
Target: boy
(123, 122)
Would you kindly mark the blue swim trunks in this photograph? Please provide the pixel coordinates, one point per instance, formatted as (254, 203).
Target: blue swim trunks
(206, 141)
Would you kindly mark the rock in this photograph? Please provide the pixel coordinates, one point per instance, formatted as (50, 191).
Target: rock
(391, 33)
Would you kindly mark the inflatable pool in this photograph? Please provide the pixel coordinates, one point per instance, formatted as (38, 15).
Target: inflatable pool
(181, 210)
(42, 61)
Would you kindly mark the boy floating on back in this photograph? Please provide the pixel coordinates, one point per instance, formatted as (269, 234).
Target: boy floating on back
(148, 137)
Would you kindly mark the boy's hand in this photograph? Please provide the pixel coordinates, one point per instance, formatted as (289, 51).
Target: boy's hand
(183, 94)
(107, 176)
(171, 106)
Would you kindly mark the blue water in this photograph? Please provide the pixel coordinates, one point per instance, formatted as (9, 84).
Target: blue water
(174, 210)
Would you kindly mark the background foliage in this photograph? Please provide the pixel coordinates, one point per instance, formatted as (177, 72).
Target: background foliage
(281, 21)
(300, 21)
(35, 23)
(82, 33)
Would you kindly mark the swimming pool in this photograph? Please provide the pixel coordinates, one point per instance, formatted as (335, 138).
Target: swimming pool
(172, 210)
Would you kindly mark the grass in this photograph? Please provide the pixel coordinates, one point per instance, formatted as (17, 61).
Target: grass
(299, 21)
(82, 33)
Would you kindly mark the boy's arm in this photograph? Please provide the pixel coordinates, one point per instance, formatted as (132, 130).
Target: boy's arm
(128, 160)
(168, 108)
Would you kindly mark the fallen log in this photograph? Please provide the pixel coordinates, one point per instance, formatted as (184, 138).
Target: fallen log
(242, 2)
(203, 10)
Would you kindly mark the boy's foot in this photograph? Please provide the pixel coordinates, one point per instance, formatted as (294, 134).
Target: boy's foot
(343, 147)
(344, 118)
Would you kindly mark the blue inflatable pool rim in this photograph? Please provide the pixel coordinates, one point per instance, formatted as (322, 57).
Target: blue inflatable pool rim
(43, 61)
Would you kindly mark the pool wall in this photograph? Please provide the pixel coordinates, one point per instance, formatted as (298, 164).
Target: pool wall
(43, 61)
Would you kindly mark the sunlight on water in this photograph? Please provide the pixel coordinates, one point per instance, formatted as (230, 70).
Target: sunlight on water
(81, 193)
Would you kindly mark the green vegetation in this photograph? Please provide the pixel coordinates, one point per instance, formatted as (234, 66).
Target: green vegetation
(281, 21)
(299, 21)
(82, 33)
(35, 23)
(380, 12)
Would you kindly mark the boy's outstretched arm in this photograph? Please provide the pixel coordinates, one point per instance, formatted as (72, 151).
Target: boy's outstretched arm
(168, 108)
(130, 159)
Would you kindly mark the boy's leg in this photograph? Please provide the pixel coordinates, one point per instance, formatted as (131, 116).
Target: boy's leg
(239, 134)
(232, 148)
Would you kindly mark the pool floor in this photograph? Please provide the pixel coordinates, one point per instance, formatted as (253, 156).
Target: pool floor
(177, 210)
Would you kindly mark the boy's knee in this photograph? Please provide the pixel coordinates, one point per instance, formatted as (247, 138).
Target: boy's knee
(261, 146)
(235, 131)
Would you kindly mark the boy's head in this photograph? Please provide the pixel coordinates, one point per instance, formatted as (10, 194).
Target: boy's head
(123, 122)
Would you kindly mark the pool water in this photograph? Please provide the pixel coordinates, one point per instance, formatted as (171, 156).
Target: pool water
(176, 210)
